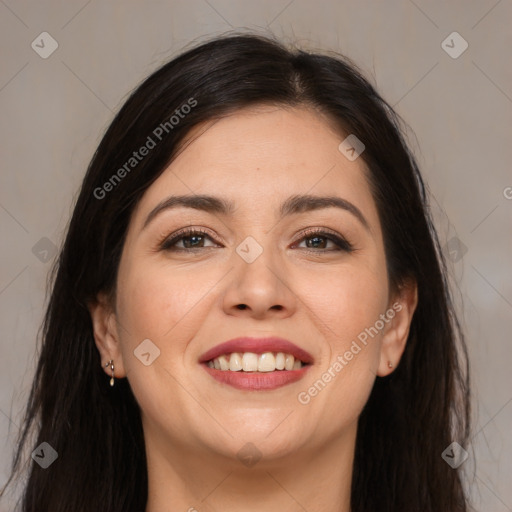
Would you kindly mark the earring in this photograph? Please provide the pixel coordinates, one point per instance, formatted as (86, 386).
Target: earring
(111, 364)
(390, 364)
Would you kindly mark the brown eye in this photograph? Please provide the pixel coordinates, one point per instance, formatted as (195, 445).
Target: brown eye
(317, 241)
(190, 240)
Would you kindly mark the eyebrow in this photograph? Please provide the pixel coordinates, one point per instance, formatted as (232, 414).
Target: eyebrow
(292, 205)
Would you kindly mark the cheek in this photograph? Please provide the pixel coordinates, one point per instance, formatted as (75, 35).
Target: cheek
(160, 303)
(346, 307)
(345, 300)
(165, 306)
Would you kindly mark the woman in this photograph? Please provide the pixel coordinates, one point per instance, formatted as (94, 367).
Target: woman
(250, 309)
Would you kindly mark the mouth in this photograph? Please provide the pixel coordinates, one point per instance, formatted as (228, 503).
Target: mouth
(256, 364)
(252, 362)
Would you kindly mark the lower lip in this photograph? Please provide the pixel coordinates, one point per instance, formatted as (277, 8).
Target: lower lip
(257, 381)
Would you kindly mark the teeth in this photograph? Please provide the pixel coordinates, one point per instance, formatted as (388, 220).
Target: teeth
(251, 362)
(235, 362)
(224, 363)
(267, 362)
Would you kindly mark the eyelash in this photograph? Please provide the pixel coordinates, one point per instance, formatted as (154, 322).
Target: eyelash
(166, 244)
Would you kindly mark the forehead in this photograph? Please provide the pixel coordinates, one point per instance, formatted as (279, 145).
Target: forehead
(259, 156)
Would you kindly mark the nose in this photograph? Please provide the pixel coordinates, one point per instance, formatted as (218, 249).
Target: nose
(257, 290)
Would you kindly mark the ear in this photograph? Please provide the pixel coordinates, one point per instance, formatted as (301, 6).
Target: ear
(106, 336)
(394, 340)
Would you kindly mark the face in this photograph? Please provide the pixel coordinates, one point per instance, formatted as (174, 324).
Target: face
(315, 276)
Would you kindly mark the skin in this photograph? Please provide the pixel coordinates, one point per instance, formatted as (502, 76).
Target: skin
(186, 303)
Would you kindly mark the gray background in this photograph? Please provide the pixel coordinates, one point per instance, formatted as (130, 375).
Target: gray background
(55, 110)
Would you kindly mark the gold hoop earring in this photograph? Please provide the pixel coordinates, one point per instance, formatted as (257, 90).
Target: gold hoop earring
(111, 364)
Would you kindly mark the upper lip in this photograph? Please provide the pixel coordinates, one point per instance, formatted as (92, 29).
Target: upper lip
(257, 346)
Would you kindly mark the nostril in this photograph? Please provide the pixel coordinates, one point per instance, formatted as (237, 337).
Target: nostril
(241, 306)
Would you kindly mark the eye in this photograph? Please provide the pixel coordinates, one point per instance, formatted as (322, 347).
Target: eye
(317, 240)
(189, 238)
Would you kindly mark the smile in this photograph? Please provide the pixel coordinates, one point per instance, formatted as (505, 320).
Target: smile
(256, 372)
(251, 362)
